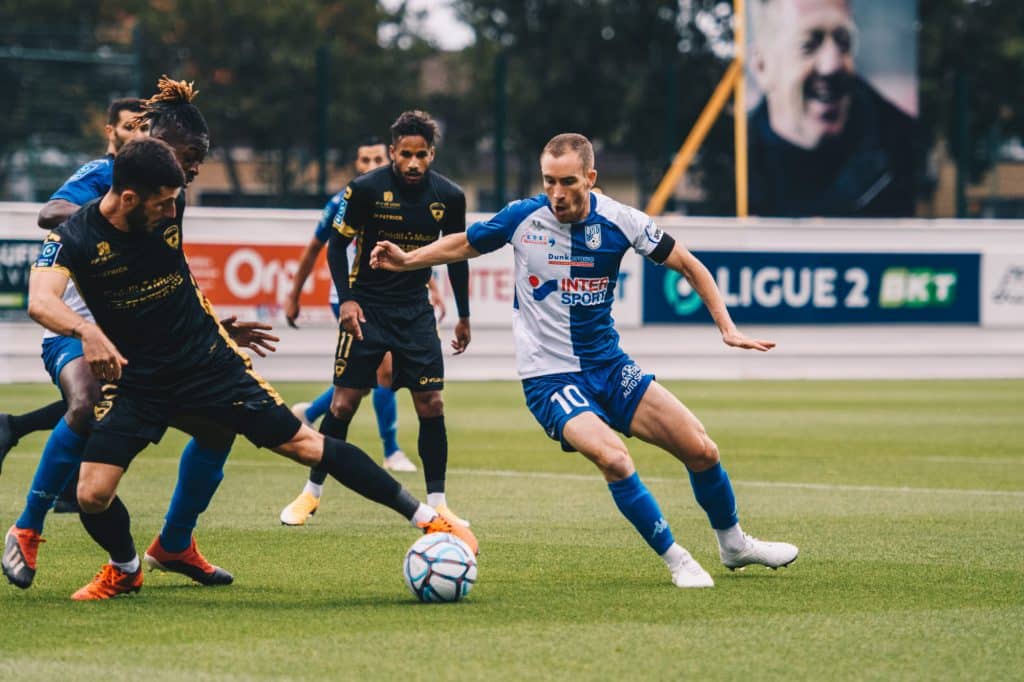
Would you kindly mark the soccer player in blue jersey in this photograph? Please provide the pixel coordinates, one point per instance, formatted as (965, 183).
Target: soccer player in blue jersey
(173, 118)
(88, 182)
(578, 382)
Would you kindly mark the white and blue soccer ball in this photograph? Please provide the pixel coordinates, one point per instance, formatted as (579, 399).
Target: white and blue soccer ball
(439, 567)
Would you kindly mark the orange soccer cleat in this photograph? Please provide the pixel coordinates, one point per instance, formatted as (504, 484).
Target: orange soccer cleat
(108, 583)
(441, 524)
(189, 562)
(19, 559)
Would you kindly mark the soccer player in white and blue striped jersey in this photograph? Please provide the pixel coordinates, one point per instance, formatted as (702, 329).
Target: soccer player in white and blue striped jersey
(579, 384)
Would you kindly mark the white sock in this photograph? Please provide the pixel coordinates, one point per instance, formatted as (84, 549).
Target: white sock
(435, 499)
(674, 555)
(423, 514)
(314, 489)
(731, 539)
(126, 566)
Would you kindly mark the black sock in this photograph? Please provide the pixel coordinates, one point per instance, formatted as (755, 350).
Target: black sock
(112, 530)
(332, 427)
(433, 446)
(43, 419)
(70, 492)
(355, 470)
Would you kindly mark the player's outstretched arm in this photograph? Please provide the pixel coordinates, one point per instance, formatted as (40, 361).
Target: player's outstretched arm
(449, 249)
(687, 265)
(46, 306)
(54, 212)
(306, 263)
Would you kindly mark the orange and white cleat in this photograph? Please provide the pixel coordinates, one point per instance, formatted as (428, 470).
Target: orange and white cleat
(446, 512)
(300, 509)
(441, 524)
(109, 583)
(189, 562)
(19, 560)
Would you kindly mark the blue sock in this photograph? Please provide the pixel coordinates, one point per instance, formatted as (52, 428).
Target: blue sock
(638, 505)
(61, 457)
(319, 407)
(199, 474)
(714, 493)
(386, 407)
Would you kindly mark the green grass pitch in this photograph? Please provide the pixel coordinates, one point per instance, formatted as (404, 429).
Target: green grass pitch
(906, 499)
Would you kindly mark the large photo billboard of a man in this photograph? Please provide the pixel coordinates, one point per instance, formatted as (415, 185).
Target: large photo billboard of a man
(834, 93)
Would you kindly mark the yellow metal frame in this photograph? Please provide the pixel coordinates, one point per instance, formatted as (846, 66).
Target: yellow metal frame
(734, 83)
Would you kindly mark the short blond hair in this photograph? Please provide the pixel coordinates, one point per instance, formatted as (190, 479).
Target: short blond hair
(571, 142)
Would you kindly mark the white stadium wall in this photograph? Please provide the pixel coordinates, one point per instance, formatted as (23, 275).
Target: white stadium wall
(844, 298)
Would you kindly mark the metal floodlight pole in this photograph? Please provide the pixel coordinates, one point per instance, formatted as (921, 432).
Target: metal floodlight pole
(693, 141)
(740, 108)
(500, 112)
(321, 111)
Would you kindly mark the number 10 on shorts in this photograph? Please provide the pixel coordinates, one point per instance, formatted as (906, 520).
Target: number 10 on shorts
(569, 397)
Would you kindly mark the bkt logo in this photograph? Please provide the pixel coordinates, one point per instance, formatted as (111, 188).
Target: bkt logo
(917, 288)
(574, 290)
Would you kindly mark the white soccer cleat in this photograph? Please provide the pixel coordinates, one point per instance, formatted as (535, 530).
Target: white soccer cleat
(688, 573)
(771, 554)
(299, 410)
(399, 461)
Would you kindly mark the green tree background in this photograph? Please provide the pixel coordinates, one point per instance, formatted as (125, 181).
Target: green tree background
(632, 74)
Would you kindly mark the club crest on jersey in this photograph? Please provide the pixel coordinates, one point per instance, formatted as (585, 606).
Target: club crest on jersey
(103, 253)
(437, 210)
(100, 409)
(592, 235)
(172, 236)
(389, 196)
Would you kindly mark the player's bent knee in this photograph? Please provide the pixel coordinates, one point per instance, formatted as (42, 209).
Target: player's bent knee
(429, 404)
(306, 447)
(706, 457)
(93, 501)
(79, 414)
(616, 464)
(344, 405)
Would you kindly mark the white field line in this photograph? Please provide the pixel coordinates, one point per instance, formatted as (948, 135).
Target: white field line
(545, 475)
(960, 459)
(501, 473)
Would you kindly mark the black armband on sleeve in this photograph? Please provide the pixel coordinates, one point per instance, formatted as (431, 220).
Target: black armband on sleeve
(458, 275)
(663, 249)
(337, 260)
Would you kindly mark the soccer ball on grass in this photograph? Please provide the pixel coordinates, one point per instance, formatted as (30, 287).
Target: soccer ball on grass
(439, 567)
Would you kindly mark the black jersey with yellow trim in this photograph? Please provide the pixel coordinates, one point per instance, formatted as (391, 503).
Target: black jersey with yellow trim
(382, 207)
(141, 292)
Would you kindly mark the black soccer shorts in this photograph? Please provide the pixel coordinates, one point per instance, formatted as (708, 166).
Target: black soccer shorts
(409, 332)
(131, 416)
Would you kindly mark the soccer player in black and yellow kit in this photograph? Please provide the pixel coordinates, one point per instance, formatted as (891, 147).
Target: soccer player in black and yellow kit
(170, 116)
(409, 204)
(165, 358)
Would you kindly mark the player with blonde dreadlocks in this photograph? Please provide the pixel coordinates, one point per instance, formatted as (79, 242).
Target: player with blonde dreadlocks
(172, 117)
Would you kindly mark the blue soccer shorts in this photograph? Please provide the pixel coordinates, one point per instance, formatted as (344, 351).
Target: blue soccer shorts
(612, 392)
(59, 351)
